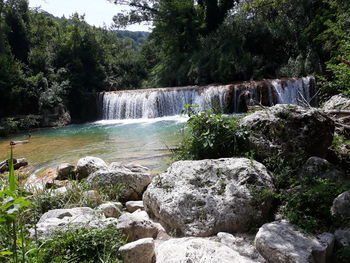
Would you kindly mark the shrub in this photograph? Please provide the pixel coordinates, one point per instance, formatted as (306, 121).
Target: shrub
(308, 203)
(209, 135)
(83, 246)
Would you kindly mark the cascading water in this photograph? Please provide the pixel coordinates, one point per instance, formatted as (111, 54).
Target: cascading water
(153, 103)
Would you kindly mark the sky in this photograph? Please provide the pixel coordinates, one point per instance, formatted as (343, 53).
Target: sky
(97, 12)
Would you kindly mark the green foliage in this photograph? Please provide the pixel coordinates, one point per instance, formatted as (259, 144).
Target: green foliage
(210, 135)
(13, 242)
(308, 202)
(83, 246)
(342, 255)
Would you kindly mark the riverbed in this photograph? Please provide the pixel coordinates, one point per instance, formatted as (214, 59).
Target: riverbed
(142, 141)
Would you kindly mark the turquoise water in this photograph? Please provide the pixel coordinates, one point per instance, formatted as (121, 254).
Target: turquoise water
(146, 142)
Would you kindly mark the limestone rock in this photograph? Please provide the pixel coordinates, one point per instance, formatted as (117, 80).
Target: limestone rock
(341, 204)
(132, 184)
(88, 165)
(337, 102)
(39, 181)
(281, 241)
(110, 210)
(137, 225)
(17, 164)
(289, 130)
(184, 250)
(140, 251)
(320, 168)
(342, 237)
(65, 171)
(132, 206)
(242, 243)
(63, 219)
(202, 198)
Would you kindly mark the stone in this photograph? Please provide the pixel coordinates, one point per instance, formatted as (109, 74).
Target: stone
(289, 131)
(189, 249)
(202, 198)
(88, 165)
(320, 168)
(243, 243)
(342, 237)
(92, 195)
(61, 220)
(39, 181)
(18, 163)
(341, 204)
(110, 210)
(65, 171)
(281, 241)
(57, 184)
(328, 241)
(337, 102)
(132, 206)
(140, 251)
(131, 184)
(137, 225)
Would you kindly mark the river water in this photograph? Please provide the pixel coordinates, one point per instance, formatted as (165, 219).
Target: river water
(143, 141)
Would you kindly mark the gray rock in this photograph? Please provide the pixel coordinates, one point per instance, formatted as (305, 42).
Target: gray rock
(341, 204)
(281, 241)
(65, 171)
(202, 198)
(132, 206)
(39, 181)
(242, 243)
(337, 102)
(110, 210)
(140, 251)
(342, 237)
(132, 184)
(18, 163)
(320, 168)
(289, 131)
(328, 241)
(137, 225)
(61, 220)
(88, 165)
(185, 250)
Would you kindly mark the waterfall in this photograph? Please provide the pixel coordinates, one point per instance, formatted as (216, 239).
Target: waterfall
(153, 103)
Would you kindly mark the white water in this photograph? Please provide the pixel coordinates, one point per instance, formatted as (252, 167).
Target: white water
(156, 103)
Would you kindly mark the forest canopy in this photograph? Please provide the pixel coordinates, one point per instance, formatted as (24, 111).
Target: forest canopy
(48, 62)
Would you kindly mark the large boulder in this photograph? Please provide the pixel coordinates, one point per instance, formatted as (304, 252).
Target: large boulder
(341, 204)
(281, 241)
(337, 102)
(137, 225)
(202, 198)
(132, 183)
(320, 168)
(61, 220)
(290, 131)
(140, 251)
(184, 250)
(342, 237)
(88, 165)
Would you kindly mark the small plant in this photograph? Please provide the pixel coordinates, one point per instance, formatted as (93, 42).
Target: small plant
(308, 203)
(83, 245)
(13, 241)
(210, 135)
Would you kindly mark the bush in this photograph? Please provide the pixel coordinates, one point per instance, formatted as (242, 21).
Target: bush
(308, 203)
(209, 135)
(82, 246)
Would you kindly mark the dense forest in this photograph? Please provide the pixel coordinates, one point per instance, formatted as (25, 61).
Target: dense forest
(50, 64)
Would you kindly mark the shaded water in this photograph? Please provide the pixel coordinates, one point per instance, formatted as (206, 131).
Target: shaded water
(144, 142)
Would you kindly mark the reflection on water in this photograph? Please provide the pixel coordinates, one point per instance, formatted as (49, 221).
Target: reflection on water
(145, 142)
